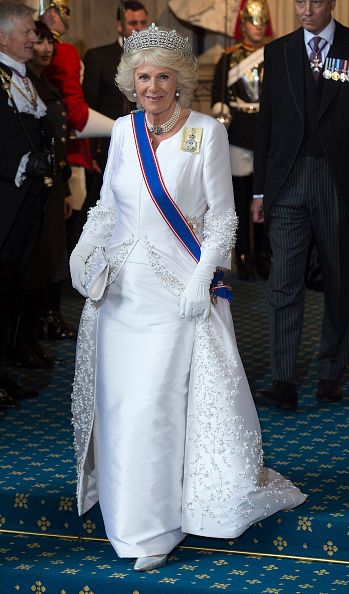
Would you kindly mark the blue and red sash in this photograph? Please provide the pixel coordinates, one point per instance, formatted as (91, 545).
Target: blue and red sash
(168, 209)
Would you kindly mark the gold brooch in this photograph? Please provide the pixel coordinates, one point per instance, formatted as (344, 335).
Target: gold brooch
(193, 223)
(191, 140)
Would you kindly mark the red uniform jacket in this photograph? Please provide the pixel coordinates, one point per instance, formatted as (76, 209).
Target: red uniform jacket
(64, 73)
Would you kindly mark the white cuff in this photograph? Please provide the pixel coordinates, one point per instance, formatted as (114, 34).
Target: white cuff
(20, 175)
(258, 196)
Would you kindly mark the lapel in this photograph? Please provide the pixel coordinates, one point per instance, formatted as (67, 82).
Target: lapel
(294, 52)
(339, 49)
(6, 68)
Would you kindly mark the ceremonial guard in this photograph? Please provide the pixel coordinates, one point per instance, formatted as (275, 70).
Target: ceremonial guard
(64, 72)
(235, 96)
(25, 176)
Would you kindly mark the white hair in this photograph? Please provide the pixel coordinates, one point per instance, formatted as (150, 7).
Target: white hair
(184, 66)
(9, 11)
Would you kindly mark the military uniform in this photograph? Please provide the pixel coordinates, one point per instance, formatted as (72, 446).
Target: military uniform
(235, 98)
(64, 72)
(51, 261)
(240, 100)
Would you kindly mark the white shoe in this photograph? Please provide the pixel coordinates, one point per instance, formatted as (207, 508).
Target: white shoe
(151, 562)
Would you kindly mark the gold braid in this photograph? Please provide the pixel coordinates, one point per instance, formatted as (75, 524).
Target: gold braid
(6, 85)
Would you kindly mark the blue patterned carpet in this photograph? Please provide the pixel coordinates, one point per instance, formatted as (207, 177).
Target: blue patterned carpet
(66, 567)
(310, 446)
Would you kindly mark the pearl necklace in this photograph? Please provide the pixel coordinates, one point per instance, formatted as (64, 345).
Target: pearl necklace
(167, 126)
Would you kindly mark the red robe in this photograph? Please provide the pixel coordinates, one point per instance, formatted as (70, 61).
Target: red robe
(64, 73)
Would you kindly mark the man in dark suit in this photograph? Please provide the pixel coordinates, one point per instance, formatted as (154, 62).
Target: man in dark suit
(24, 174)
(301, 193)
(100, 90)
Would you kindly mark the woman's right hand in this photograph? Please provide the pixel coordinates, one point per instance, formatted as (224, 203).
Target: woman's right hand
(77, 262)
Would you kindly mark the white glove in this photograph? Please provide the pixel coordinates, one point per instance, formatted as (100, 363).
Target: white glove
(196, 299)
(77, 262)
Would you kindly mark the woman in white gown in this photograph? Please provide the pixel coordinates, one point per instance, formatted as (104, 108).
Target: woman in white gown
(166, 431)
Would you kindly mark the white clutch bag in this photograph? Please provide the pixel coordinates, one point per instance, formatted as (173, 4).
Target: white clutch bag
(96, 274)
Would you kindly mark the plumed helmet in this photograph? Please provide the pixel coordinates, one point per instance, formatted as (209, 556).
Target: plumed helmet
(255, 12)
(62, 6)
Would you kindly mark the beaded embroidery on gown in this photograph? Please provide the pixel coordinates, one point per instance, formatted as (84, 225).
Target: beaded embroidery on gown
(166, 432)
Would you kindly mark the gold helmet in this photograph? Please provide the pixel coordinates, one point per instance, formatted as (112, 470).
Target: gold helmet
(255, 12)
(62, 7)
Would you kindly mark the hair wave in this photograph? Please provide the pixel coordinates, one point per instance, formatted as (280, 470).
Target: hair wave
(184, 66)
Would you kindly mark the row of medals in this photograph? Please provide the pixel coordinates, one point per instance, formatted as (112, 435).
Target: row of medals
(336, 69)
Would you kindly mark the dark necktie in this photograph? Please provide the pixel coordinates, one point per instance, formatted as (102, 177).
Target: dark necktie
(316, 44)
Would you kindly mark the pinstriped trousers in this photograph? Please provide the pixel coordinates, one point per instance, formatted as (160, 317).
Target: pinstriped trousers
(308, 209)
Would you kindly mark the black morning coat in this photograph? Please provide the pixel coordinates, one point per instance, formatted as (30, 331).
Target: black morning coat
(13, 145)
(281, 122)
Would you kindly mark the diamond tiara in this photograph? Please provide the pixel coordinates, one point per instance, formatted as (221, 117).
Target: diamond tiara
(155, 37)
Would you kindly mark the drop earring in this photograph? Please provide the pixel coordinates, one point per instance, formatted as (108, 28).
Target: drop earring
(177, 93)
(134, 94)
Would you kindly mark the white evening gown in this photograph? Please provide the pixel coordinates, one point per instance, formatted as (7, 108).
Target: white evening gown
(166, 431)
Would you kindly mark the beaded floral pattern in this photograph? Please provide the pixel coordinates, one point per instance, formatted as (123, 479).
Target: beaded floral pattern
(219, 231)
(211, 439)
(166, 277)
(118, 258)
(84, 381)
(223, 471)
(101, 221)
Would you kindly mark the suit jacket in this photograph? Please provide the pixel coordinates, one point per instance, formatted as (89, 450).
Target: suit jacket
(101, 92)
(281, 121)
(14, 145)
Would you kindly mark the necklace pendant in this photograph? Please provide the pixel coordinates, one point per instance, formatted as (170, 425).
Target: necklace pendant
(166, 126)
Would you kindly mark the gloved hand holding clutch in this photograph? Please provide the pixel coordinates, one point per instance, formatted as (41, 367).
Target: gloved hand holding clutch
(77, 262)
(196, 299)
